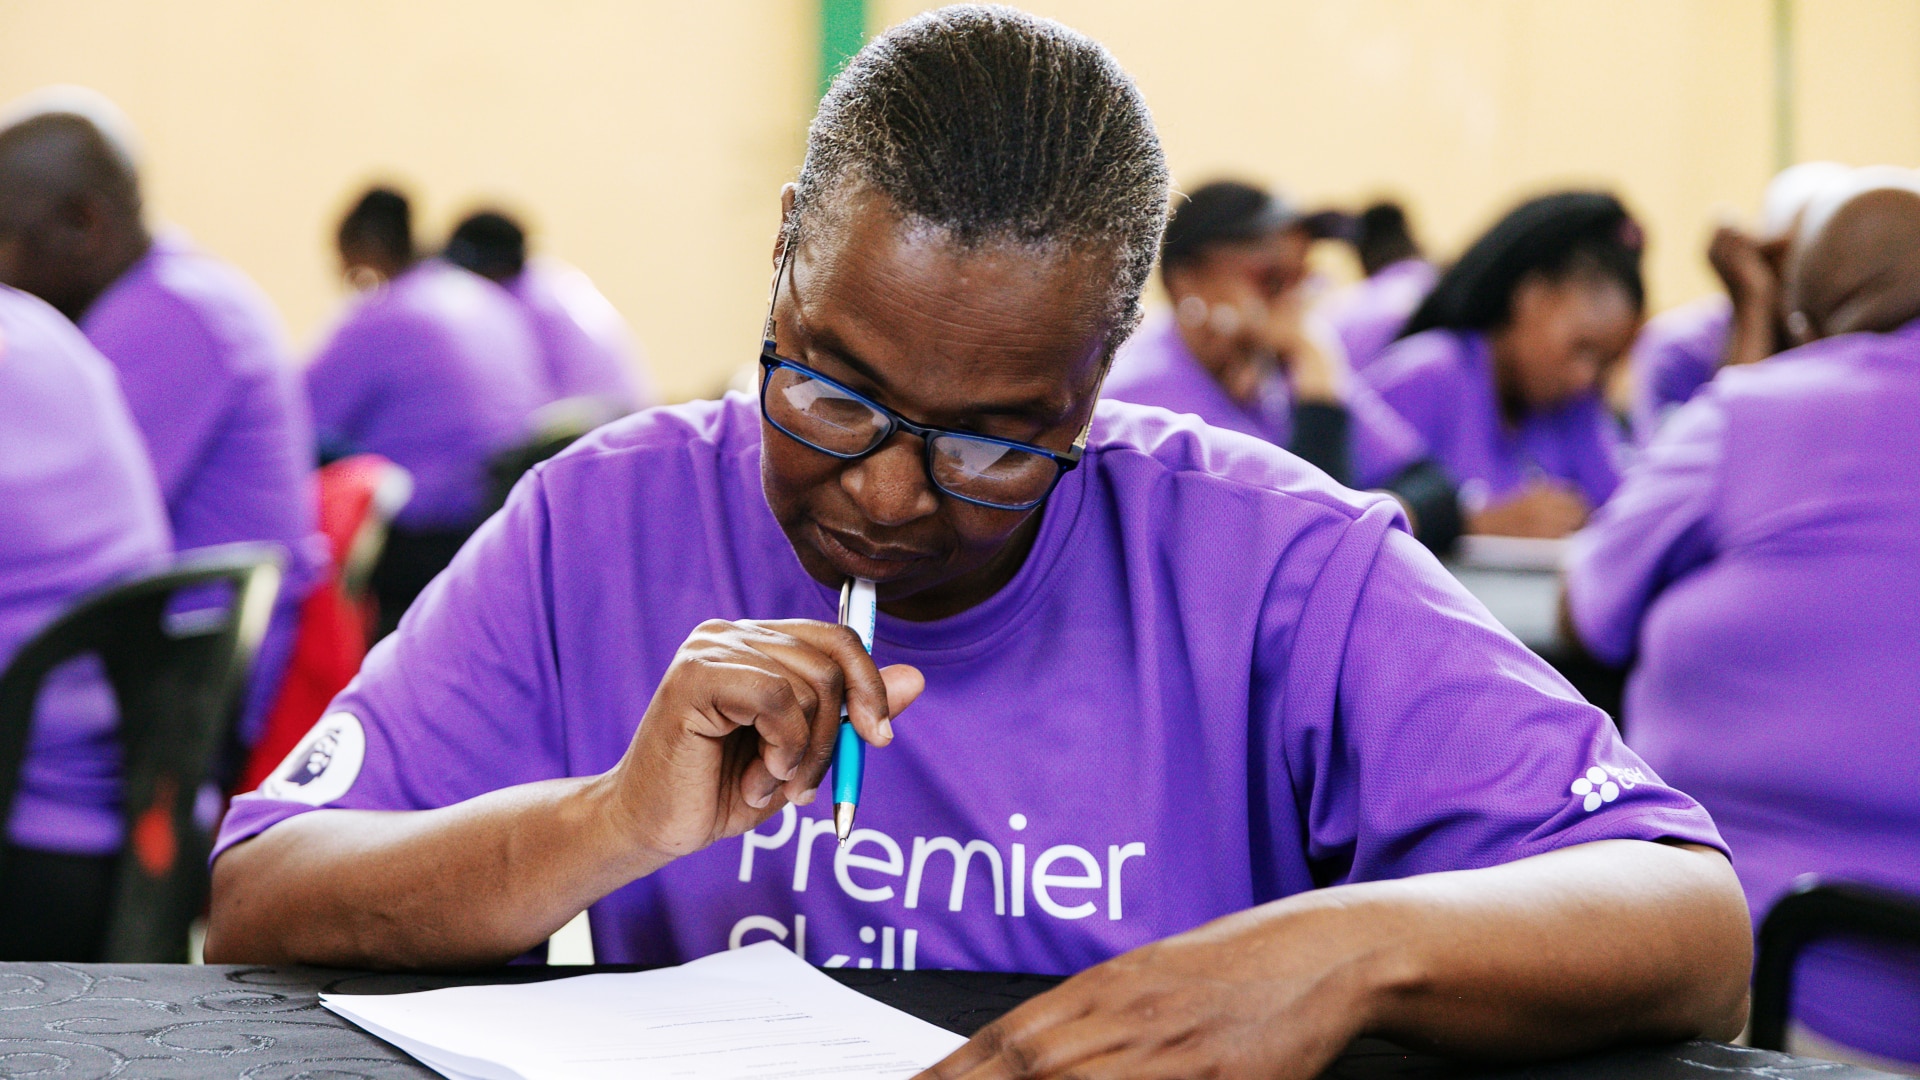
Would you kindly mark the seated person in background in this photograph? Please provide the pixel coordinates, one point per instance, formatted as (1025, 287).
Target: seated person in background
(1680, 349)
(79, 509)
(1172, 676)
(376, 239)
(1500, 368)
(1369, 315)
(588, 350)
(198, 349)
(1760, 566)
(1241, 351)
(437, 371)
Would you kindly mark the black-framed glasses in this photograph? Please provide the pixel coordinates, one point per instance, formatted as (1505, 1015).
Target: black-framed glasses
(816, 411)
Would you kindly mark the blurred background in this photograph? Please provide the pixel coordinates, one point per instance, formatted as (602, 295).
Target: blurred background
(646, 143)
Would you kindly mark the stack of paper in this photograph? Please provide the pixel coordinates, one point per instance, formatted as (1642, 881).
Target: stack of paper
(759, 1012)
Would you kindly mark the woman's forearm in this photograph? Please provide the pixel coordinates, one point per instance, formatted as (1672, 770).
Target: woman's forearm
(1611, 941)
(473, 884)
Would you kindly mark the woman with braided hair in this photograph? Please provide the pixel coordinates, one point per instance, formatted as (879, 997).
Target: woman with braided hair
(1161, 677)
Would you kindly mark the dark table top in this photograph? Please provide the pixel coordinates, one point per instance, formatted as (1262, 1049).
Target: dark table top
(140, 1021)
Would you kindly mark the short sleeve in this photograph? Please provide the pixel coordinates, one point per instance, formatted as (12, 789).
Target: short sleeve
(1384, 444)
(1656, 528)
(1599, 451)
(461, 700)
(1427, 396)
(176, 386)
(1419, 736)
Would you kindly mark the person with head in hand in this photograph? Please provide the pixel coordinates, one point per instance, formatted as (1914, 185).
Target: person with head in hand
(1760, 570)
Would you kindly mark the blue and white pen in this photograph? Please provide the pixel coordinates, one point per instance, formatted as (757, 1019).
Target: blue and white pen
(858, 609)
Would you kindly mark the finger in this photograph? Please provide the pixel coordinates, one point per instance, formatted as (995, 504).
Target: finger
(904, 684)
(818, 681)
(865, 693)
(1050, 1051)
(1064, 1004)
(758, 784)
(752, 696)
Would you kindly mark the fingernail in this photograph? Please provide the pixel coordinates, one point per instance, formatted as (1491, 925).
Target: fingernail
(806, 797)
(759, 801)
(886, 730)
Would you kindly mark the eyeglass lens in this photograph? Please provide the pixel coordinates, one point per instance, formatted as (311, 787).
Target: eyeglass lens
(828, 418)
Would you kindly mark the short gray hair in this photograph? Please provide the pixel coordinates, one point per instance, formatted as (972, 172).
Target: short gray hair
(993, 126)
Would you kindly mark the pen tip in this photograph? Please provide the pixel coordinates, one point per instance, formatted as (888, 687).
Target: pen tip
(843, 820)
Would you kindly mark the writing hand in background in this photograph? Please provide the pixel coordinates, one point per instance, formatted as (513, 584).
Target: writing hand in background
(1545, 509)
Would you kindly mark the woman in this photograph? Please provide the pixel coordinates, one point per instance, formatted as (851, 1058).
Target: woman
(1500, 369)
(1160, 675)
(1761, 568)
(1241, 351)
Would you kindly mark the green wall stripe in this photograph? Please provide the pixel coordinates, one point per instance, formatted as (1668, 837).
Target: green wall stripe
(843, 29)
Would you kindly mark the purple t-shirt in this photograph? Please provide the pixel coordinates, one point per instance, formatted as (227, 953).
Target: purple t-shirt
(1370, 314)
(1442, 382)
(1134, 735)
(1677, 353)
(206, 372)
(584, 343)
(79, 509)
(1762, 562)
(1155, 367)
(437, 371)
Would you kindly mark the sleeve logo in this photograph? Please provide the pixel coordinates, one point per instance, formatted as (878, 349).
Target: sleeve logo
(1597, 787)
(325, 764)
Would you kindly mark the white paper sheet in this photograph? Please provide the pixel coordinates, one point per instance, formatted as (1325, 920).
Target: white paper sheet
(758, 1013)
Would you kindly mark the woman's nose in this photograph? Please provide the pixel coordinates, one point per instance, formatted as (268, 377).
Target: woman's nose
(891, 487)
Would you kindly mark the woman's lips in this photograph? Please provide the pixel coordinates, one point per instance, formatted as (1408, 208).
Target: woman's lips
(862, 559)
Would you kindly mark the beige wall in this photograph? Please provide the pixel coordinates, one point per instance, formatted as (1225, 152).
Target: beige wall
(647, 141)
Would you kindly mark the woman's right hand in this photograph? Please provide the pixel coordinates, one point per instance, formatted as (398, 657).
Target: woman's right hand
(745, 722)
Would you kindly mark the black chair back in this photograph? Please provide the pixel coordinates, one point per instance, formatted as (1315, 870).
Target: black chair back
(1816, 909)
(177, 678)
(555, 426)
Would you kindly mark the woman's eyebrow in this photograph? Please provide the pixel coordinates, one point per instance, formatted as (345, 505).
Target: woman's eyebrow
(825, 341)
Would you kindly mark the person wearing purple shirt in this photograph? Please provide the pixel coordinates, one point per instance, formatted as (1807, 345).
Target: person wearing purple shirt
(437, 371)
(1500, 369)
(1678, 351)
(1167, 675)
(197, 348)
(1676, 354)
(1761, 567)
(1242, 352)
(79, 509)
(1369, 315)
(588, 350)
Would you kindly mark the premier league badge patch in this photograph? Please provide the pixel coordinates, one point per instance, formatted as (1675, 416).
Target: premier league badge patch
(323, 766)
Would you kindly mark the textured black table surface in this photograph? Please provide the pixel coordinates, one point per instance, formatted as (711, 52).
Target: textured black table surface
(140, 1021)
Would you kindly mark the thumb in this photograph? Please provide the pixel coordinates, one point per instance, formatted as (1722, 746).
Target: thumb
(904, 684)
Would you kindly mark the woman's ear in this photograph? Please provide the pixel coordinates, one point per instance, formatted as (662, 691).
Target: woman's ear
(786, 224)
